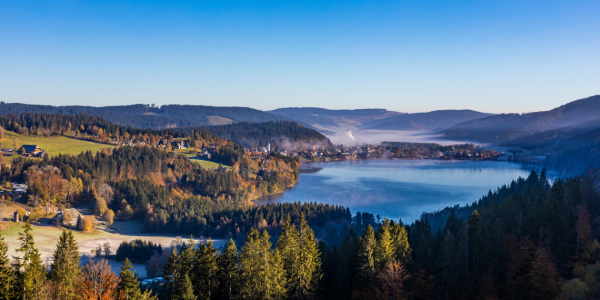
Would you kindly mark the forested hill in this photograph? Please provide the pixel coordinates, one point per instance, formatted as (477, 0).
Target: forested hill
(131, 115)
(146, 116)
(507, 127)
(281, 134)
(435, 120)
(331, 119)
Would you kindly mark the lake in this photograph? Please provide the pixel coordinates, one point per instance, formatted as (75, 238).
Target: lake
(400, 188)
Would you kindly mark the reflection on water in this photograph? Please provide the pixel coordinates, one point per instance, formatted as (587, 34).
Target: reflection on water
(400, 188)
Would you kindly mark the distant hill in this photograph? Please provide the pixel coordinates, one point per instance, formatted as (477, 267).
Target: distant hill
(435, 120)
(145, 116)
(329, 119)
(280, 134)
(506, 127)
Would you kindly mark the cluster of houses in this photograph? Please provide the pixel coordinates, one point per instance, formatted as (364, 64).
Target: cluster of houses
(31, 151)
(176, 145)
(524, 156)
(18, 189)
(25, 150)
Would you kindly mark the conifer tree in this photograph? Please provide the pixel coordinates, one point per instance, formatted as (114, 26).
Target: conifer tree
(384, 251)
(288, 248)
(365, 266)
(7, 276)
(33, 273)
(65, 269)
(278, 277)
(205, 270)
(402, 248)
(309, 274)
(185, 290)
(129, 286)
(253, 266)
(169, 273)
(228, 271)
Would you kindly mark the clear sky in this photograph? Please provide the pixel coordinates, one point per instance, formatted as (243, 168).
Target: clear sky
(409, 56)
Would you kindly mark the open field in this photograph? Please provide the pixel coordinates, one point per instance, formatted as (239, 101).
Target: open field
(53, 145)
(218, 120)
(46, 237)
(206, 164)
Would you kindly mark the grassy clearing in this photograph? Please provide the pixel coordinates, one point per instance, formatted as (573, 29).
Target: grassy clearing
(206, 164)
(53, 145)
(46, 237)
(218, 120)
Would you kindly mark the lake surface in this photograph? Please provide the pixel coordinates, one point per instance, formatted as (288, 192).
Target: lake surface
(400, 188)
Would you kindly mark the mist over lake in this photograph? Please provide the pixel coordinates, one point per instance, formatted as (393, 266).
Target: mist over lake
(400, 188)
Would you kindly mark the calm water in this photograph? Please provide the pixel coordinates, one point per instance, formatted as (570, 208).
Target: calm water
(400, 188)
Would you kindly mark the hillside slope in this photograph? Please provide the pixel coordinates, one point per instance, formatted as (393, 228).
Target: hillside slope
(145, 116)
(506, 127)
(435, 120)
(330, 119)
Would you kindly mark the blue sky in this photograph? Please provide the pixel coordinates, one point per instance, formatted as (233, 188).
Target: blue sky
(409, 56)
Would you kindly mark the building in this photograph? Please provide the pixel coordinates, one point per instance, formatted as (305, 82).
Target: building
(205, 154)
(29, 149)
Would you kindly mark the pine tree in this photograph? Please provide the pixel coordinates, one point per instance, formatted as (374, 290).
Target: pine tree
(169, 272)
(33, 273)
(288, 248)
(344, 279)
(206, 270)
(129, 286)
(185, 290)
(365, 266)
(65, 269)
(7, 275)
(309, 274)
(254, 259)
(228, 271)
(384, 251)
(278, 277)
(402, 248)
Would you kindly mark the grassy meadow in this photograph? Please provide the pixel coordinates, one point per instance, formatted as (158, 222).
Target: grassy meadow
(206, 164)
(53, 145)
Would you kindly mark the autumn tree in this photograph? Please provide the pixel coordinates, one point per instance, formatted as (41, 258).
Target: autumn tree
(98, 282)
(85, 224)
(109, 215)
(390, 282)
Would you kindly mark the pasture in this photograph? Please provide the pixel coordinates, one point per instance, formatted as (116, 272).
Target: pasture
(54, 145)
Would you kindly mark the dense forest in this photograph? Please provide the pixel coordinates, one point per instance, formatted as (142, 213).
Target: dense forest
(281, 135)
(148, 116)
(530, 240)
(170, 192)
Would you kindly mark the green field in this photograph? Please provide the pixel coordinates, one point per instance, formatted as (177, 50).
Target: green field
(206, 164)
(53, 145)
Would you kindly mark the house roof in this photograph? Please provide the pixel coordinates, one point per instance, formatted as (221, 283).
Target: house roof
(29, 148)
